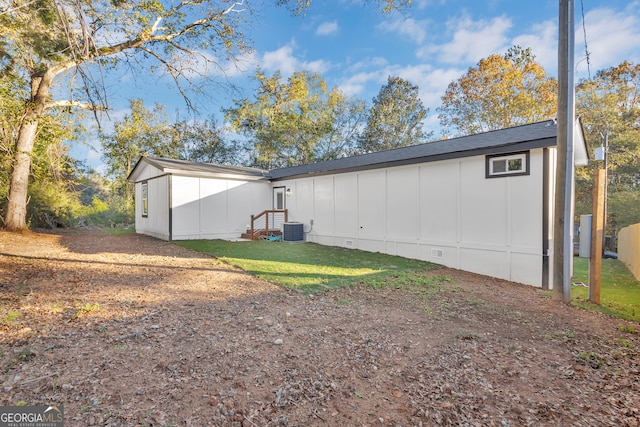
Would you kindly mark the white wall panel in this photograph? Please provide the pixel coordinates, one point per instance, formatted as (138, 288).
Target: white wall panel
(402, 203)
(156, 223)
(526, 268)
(407, 250)
(239, 206)
(186, 206)
(525, 200)
(161, 217)
(213, 205)
(261, 198)
(482, 261)
(371, 245)
(371, 196)
(323, 219)
(483, 209)
(149, 172)
(346, 204)
(439, 254)
(323, 239)
(438, 202)
(303, 199)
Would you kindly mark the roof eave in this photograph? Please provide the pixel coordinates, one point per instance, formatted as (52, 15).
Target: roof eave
(500, 149)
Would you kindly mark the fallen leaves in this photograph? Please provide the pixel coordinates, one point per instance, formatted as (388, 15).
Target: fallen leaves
(129, 330)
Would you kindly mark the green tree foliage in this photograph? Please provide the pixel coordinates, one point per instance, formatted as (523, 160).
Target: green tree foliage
(204, 141)
(349, 117)
(53, 197)
(288, 120)
(47, 42)
(623, 208)
(142, 132)
(609, 106)
(395, 119)
(500, 92)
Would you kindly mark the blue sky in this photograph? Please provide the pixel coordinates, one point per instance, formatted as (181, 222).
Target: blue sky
(355, 47)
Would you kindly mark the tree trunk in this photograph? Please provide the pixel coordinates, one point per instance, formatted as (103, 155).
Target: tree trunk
(16, 215)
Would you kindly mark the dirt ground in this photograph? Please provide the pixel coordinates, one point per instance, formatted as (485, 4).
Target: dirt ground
(132, 331)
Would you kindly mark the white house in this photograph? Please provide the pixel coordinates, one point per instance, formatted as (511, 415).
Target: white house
(179, 200)
(481, 203)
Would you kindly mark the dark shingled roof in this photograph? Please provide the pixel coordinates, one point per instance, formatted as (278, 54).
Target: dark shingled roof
(519, 138)
(536, 135)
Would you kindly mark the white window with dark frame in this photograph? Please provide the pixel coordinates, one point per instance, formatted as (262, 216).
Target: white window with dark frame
(144, 190)
(499, 165)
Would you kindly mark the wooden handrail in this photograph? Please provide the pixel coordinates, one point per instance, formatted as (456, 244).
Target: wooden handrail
(266, 214)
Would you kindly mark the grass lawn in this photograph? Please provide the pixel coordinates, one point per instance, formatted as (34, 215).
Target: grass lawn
(619, 291)
(311, 267)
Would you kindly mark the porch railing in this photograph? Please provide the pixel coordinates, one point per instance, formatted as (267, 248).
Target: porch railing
(267, 221)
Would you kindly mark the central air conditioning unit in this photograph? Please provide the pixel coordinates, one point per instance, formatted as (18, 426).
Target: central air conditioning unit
(293, 232)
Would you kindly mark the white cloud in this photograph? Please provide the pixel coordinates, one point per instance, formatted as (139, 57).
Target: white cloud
(612, 37)
(357, 83)
(423, 4)
(543, 41)
(283, 59)
(375, 61)
(409, 27)
(203, 64)
(319, 66)
(432, 82)
(362, 74)
(327, 28)
(280, 59)
(471, 41)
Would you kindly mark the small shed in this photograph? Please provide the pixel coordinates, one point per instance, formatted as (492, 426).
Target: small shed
(481, 203)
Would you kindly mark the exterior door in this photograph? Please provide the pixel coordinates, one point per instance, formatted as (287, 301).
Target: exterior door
(278, 198)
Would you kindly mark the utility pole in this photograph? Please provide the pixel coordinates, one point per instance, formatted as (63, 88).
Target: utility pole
(597, 235)
(606, 186)
(563, 203)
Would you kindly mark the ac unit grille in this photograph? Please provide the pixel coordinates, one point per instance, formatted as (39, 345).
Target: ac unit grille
(293, 232)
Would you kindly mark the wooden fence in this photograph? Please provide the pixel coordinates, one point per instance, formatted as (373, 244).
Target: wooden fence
(629, 248)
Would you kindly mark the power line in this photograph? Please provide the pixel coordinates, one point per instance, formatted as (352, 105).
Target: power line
(586, 47)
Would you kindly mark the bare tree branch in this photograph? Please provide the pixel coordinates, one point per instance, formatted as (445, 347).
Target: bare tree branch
(74, 104)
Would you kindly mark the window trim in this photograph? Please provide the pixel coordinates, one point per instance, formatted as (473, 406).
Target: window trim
(144, 195)
(490, 159)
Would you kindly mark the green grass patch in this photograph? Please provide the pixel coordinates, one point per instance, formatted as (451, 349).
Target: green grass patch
(8, 318)
(86, 309)
(619, 290)
(117, 231)
(310, 267)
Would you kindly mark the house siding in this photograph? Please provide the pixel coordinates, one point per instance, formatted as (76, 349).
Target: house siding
(445, 212)
(187, 207)
(156, 223)
(430, 201)
(209, 208)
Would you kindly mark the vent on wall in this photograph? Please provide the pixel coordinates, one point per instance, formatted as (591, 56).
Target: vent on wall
(437, 253)
(348, 243)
